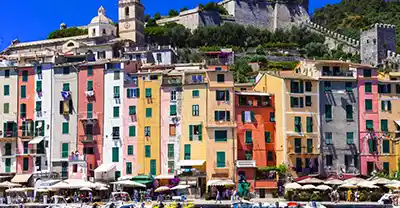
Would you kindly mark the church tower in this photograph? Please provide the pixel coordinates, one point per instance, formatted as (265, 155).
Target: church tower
(131, 20)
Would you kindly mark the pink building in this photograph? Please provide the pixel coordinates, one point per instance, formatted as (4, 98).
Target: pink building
(368, 119)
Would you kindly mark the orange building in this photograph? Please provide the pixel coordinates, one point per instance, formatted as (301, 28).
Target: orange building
(255, 119)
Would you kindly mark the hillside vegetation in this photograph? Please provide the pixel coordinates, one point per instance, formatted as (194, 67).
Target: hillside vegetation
(349, 16)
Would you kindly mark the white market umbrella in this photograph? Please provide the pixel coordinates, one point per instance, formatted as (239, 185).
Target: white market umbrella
(42, 190)
(128, 183)
(102, 188)
(334, 182)
(292, 186)
(85, 189)
(308, 187)
(8, 184)
(162, 189)
(393, 185)
(354, 180)
(382, 181)
(180, 187)
(310, 181)
(348, 185)
(323, 187)
(367, 185)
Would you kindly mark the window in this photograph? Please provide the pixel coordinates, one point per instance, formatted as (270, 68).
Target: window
(220, 78)
(296, 102)
(90, 71)
(222, 95)
(249, 137)
(248, 117)
(116, 91)
(38, 86)
(386, 146)
(148, 92)
(328, 112)
(308, 86)
(368, 104)
(195, 132)
(296, 86)
(147, 150)
(64, 150)
(116, 75)
(66, 70)
(386, 105)
(221, 135)
(132, 110)
(128, 168)
(308, 101)
(171, 151)
(385, 166)
(173, 95)
(195, 110)
(220, 159)
(384, 125)
(372, 143)
(24, 76)
(23, 91)
(25, 164)
(309, 145)
(297, 145)
(172, 110)
(329, 160)
(66, 87)
(116, 112)
(172, 130)
(115, 154)
(327, 86)
(328, 138)
(153, 167)
(90, 110)
(397, 88)
(270, 156)
(297, 124)
(195, 93)
(149, 112)
(369, 124)
(272, 116)
(115, 132)
(89, 85)
(6, 108)
(368, 87)
(350, 138)
(309, 125)
(349, 112)
(6, 90)
(348, 86)
(147, 131)
(7, 73)
(171, 166)
(248, 155)
(132, 131)
(126, 12)
(130, 149)
(187, 152)
(267, 137)
(133, 92)
(222, 115)
(159, 58)
(65, 128)
(22, 110)
(38, 106)
(384, 88)
(367, 73)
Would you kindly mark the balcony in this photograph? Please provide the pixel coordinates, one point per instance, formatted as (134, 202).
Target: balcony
(88, 117)
(302, 150)
(77, 158)
(337, 73)
(26, 134)
(246, 163)
(8, 153)
(89, 138)
(218, 61)
(38, 151)
(217, 124)
(89, 93)
(172, 81)
(195, 79)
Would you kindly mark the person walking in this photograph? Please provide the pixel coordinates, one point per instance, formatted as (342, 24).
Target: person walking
(349, 195)
(218, 197)
(356, 196)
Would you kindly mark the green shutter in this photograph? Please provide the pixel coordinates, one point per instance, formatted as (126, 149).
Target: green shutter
(227, 95)
(171, 151)
(172, 110)
(25, 164)
(116, 91)
(297, 145)
(200, 132)
(386, 167)
(350, 137)
(328, 112)
(249, 139)
(132, 110)
(267, 136)
(383, 108)
(128, 168)
(65, 150)
(39, 69)
(115, 154)
(369, 124)
(386, 146)
(130, 149)
(65, 127)
(153, 168)
(371, 145)
(38, 86)
(38, 106)
(221, 160)
(24, 76)
(137, 92)
(309, 145)
(297, 124)
(272, 116)
(368, 104)
(6, 89)
(190, 132)
(253, 117)
(309, 125)
(384, 125)
(43, 125)
(195, 93)
(368, 87)
(328, 138)
(147, 151)
(349, 112)
(89, 110)
(187, 150)
(90, 71)
(148, 112)
(148, 92)
(132, 131)
(23, 91)
(6, 109)
(116, 112)
(216, 115)
(66, 87)
(389, 105)
(89, 85)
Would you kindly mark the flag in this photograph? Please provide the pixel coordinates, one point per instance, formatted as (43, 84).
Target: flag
(65, 95)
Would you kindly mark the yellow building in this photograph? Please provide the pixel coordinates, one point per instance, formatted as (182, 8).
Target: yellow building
(221, 142)
(296, 112)
(148, 117)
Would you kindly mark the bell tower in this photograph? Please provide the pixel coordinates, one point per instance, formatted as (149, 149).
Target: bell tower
(131, 20)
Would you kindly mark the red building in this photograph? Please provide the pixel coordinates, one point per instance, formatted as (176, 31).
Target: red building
(255, 118)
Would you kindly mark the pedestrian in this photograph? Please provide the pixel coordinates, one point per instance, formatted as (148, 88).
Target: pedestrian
(349, 195)
(233, 197)
(356, 195)
(90, 196)
(218, 197)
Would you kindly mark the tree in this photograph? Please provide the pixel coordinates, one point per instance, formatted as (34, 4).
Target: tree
(317, 50)
(147, 17)
(183, 9)
(157, 16)
(172, 13)
(151, 22)
(241, 71)
(68, 32)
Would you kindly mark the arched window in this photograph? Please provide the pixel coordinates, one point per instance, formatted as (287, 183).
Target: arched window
(104, 32)
(94, 32)
(70, 44)
(126, 11)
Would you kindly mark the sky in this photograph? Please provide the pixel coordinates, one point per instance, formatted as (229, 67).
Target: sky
(29, 20)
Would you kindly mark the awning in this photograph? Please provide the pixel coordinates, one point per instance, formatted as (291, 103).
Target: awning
(191, 183)
(129, 183)
(180, 187)
(165, 177)
(397, 122)
(21, 178)
(36, 140)
(226, 182)
(104, 168)
(184, 163)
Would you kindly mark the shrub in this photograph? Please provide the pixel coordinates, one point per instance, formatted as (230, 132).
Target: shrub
(274, 194)
(305, 196)
(289, 195)
(316, 196)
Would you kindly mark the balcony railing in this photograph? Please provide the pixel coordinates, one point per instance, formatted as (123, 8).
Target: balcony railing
(246, 163)
(337, 74)
(172, 81)
(27, 133)
(88, 116)
(77, 158)
(8, 153)
(212, 123)
(89, 138)
(10, 134)
(38, 151)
